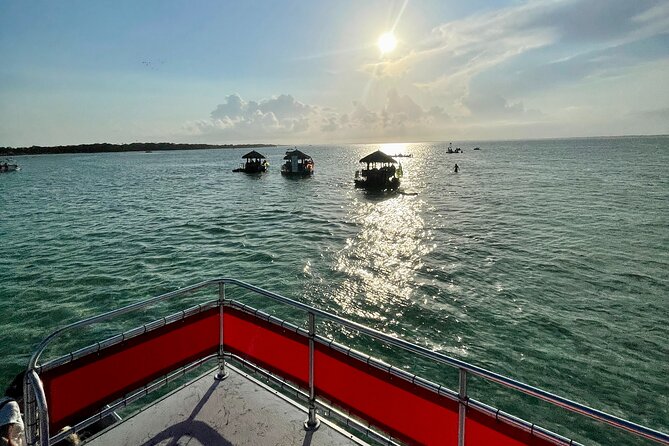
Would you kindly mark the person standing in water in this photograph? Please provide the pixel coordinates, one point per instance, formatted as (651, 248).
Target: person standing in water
(456, 168)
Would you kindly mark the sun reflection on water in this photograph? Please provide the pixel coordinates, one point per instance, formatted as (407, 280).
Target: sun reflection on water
(380, 261)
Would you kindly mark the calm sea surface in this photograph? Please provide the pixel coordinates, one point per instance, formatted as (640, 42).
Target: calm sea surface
(547, 261)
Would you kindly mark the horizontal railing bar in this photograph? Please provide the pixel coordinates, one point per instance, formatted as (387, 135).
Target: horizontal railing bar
(266, 317)
(124, 336)
(348, 351)
(475, 370)
(388, 368)
(520, 423)
(119, 311)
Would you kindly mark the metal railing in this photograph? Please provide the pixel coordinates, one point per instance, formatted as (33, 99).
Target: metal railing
(37, 420)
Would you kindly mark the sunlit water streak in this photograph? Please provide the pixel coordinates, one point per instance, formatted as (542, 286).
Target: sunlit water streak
(543, 260)
(381, 259)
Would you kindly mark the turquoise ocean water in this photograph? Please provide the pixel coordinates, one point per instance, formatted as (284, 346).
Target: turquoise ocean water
(546, 261)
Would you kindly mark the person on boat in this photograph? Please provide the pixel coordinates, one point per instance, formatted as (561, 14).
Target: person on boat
(11, 424)
(456, 168)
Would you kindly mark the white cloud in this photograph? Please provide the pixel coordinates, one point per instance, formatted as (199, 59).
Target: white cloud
(283, 118)
(493, 106)
(399, 114)
(238, 119)
(278, 114)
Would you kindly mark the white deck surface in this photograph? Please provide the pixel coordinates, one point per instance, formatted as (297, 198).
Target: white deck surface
(236, 411)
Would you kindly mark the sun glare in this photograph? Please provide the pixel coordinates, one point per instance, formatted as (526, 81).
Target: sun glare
(391, 148)
(387, 43)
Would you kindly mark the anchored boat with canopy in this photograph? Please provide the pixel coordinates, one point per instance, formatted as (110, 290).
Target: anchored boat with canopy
(255, 163)
(8, 166)
(298, 164)
(379, 173)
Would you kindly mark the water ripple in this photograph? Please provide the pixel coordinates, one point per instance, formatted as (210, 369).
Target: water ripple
(543, 260)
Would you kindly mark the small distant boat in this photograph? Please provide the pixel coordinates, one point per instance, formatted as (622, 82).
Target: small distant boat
(477, 148)
(403, 155)
(298, 164)
(255, 163)
(452, 150)
(379, 174)
(6, 167)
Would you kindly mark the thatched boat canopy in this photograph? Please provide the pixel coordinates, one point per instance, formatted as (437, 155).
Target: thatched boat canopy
(297, 153)
(378, 157)
(254, 155)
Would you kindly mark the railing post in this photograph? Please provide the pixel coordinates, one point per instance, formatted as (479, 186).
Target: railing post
(222, 372)
(312, 422)
(40, 410)
(462, 410)
(29, 411)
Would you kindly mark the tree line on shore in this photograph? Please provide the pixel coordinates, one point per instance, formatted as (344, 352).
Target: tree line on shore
(132, 147)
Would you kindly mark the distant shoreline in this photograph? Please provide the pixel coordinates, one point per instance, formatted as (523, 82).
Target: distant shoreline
(132, 147)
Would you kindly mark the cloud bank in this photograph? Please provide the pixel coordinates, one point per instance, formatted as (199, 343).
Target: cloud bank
(575, 63)
(285, 118)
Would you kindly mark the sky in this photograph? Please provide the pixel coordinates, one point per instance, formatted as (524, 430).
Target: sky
(220, 72)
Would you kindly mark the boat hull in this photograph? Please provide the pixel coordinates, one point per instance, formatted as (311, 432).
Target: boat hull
(297, 174)
(251, 170)
(9, 168)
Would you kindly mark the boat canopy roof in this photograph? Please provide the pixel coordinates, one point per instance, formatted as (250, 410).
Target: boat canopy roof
(254, 155)
(297, 153)
(378, 157)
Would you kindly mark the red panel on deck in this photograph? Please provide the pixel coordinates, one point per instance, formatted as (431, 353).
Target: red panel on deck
(404, 410)
(81, 388)
(276, 349)
(482, 429)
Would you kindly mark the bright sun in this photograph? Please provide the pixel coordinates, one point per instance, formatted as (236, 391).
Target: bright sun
(387, 43)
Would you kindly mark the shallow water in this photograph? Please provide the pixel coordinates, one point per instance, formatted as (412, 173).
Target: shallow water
(543, 260)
